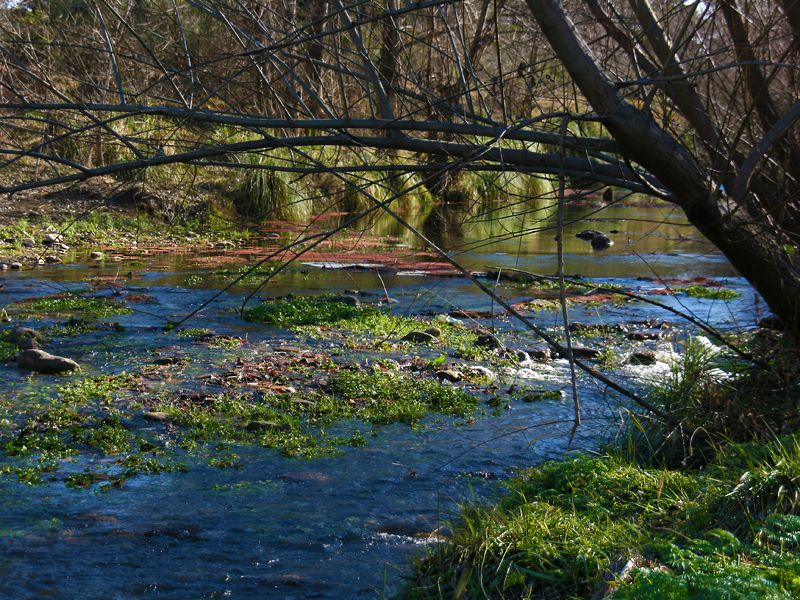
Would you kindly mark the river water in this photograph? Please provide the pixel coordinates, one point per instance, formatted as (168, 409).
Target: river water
(341, 527)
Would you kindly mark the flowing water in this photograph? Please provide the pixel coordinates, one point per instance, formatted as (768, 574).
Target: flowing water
(340, 527)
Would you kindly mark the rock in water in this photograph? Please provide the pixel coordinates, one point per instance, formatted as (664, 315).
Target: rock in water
(28, 344)
(51, 238)
(598, 239)
(418, 337)
(44, 362)
(587, 234)
(601, 242)
(450, 375)
(487, 340)
(19, 333)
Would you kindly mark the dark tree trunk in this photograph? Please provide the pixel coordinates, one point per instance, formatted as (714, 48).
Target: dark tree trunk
(745, 238)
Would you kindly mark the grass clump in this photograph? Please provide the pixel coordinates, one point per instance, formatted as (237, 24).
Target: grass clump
(711, 293)
(390, 397)
(566, 528)
(305, 311)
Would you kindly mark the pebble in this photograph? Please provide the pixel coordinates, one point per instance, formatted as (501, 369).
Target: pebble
(28, 242)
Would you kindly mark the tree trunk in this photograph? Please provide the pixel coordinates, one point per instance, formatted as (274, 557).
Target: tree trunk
(744, 238)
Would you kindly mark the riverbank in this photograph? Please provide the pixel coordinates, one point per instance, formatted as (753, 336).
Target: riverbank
(676, 508)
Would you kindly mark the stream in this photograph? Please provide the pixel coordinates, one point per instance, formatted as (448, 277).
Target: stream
(341, 526)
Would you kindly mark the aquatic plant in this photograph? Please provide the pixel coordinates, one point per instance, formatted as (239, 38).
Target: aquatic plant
(305, 311)
(710, 293)
(68, 304)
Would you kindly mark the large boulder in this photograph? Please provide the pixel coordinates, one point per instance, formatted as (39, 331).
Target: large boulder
(44, 362)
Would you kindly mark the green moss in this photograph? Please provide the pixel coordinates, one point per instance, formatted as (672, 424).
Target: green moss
(78, 306)
(710, 293)
(305, 311)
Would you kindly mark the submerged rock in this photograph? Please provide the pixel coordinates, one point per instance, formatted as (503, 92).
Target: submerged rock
(15, 266)
(261, 425)
(44, 362)
(580, 352)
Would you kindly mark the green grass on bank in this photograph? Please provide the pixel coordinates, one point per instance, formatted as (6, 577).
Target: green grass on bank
(568, 529)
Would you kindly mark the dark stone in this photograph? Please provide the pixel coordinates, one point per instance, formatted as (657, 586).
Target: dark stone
(580, 352)
(487, 340)
(588, 234)
(601, 242)
(541, 353)
(43, 362)
(418, 337)
(643, 357)
(641, 336)
(434, 331)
